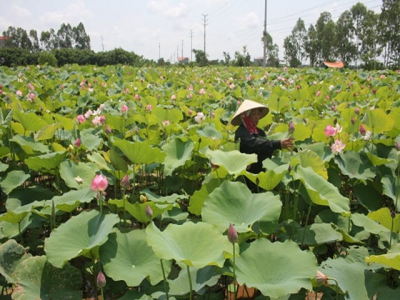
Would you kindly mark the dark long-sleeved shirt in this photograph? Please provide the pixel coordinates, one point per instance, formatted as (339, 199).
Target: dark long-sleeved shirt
(257, 144)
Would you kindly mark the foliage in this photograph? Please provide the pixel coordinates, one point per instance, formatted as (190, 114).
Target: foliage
(47, 58)
(172, 182)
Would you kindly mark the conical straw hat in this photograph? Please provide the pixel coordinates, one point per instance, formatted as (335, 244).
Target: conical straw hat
(245, 106)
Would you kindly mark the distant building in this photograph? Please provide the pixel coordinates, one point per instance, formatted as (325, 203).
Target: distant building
(3, 41)
(258, 61)
(183, 60)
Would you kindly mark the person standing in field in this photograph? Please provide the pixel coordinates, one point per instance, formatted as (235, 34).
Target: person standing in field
(253, 139)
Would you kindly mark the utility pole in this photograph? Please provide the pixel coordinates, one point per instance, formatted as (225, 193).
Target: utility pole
(102, 44)
(177, 54)
(191, 37)
(205, 24)
(159, 51)
(265, 36)
(182, 50)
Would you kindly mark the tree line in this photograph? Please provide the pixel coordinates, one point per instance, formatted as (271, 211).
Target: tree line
(358, 36)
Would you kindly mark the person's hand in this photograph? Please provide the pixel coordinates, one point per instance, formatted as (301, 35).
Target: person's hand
(287, 143)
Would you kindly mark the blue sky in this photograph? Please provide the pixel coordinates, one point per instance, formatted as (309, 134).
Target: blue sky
(165, 28)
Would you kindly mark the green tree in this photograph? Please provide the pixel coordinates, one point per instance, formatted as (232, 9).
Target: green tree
(242, 59)
(358, 11)
(65, 36)
(294, 44)
(34, 40)
(201, 58)
(49, 40)
(272, 50)
(369, 50)
(82, 39)
(389, 34)
(344, 43)
(325, 34)
(227, 58)
(312, 45)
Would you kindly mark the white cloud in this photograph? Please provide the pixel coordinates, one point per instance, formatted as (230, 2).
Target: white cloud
(20, 12)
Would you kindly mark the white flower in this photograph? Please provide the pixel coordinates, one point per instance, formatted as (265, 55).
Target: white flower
(78, 179)
(199, 117)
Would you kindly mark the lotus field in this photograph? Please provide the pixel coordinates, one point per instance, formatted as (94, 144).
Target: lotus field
(126, 183)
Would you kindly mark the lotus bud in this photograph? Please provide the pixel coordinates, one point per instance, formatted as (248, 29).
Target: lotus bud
(397, 146)
(143, 198)
(232, 234)
(363, 131)
(125, 181)
(77, 142)
(99, 183)
(393, 214)
(353, 120)
(321, 278)
(108, 129)
(291, 127)
(149, 212)
(101, 280)
(357, 111)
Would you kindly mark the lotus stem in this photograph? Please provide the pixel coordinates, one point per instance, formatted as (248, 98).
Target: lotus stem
(165, 279)
(234, 272)
(305, 225)
(100, 196)
(190, 283)
(337, 287)
(395, 204)
(296, 202)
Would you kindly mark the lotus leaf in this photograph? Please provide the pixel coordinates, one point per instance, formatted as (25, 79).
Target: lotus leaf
(13, 180)
(177, 153)
(233, 203)
(276, 269)
(195, 244)
(127, 257)
(233, 161)
(79, 236)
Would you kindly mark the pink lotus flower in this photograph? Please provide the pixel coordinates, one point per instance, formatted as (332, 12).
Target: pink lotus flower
(31, 97)
(31, 87)
(173, 97)
(108, 129)
(397, 146)
(19, 93)
(99, 183)
(124, 108)
(199, 117)
(149, 107)
(337, 146)
(81, 119)
(97, 121)
(321, 278)
(318, 93)
(137, 97)
(202, 91)
(330, 130)
(166, 122)
(232, 234)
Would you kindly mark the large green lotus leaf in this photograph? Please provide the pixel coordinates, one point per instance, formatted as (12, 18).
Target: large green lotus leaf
(269, 179)
(322, 150)
(195, 244)
(140, 153)
(29, 145)
(233, 161)
(70, 171)
(13, 180)
(135, 294)
(30, 121)
(370, 226)
(38, 279)
(177, 153)
(390, 188)
(368, 195)
(47, 132)
(233, 203)
(11, 254)
(350, 276)
(127, 257)
(378, 161)
(50, 161)
(302, 132)
(78, 236)
(276, 269)
(383, 217)
(90, 139)
(355, 165)
(116, 160)
(138, 210)
(173, 115)
(72, 199)
(25, 197)
(198, 198)
(378, 120)
(67, 123)
(13, 217)
(100, 161)
(391, 258)
(11, 230)
(210, 132)
(311, 159)
(173, 198)
(321, 191)
(317, 234)
(207, 276)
